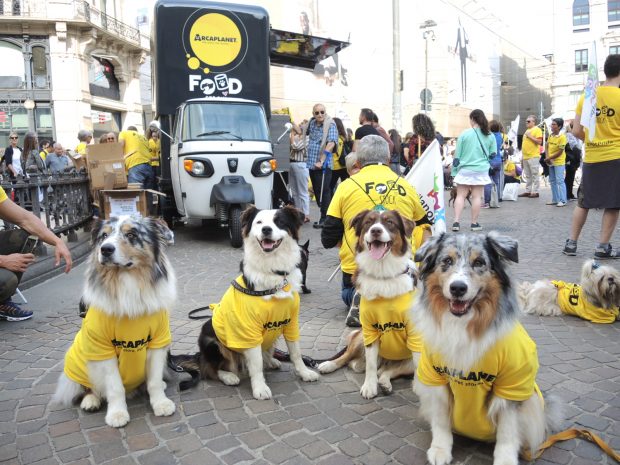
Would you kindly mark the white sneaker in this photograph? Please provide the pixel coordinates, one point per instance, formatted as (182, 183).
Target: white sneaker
(560, 204)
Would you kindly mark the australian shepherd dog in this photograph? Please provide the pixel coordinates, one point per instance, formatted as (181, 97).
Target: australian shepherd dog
(125, 334)
(387, 346)
(258, 307)
(596, 298)
(477, 373)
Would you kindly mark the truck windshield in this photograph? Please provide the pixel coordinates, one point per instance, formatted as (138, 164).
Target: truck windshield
(224, 121)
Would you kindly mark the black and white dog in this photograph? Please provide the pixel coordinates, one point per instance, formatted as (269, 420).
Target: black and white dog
(258, 307)
(477, 373)
(125, 334)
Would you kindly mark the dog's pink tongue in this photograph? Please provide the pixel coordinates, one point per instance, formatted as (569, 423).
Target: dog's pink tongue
(377, 249)
(267, 244)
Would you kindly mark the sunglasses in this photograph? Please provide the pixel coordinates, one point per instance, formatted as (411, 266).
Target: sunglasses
(15, 138)
(322, 112)
(529, 121)
(111, 139)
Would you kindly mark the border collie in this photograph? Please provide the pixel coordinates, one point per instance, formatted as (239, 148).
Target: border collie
(125, 334)
(258, 307)
(387, 346)
(477, 372)
(596, 298)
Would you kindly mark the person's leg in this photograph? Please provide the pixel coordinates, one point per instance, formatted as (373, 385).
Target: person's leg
(476, 200)
(348, 289)
(487, 193)
(528, 176)
(10, 310)
(559, 174)
(554, 187)
(326, 196)
(459, 202)
(569, 180)
(315, 180)
(8, 284)
(608, 224)
(298, 180)
(535, 169)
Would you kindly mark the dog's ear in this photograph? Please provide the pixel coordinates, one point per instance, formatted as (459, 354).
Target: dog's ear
(247, 217)
(94, 235)
(295, 218)
(357, 221)
(306, 246)
(427, 254)
(505, 247)
(165, 234)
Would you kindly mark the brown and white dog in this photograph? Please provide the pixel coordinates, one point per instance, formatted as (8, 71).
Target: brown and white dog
(125, 335)
(258, 307)
(596, 298)
(384, 278)
(477, 372)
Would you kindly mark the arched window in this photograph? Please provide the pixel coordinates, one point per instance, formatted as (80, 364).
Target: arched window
(102, 80)
(39, 68)
(12, 71)
(581, 13)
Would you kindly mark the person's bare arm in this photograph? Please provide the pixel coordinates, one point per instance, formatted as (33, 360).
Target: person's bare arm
(578, 130)
(13, 213)
(17, 262)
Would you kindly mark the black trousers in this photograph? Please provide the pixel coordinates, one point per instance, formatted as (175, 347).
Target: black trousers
(569, 180)
(11, 241)
(320, 178)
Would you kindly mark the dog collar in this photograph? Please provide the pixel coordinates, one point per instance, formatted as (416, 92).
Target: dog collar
(254, 293)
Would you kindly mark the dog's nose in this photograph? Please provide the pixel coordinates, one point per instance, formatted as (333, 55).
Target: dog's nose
(458, 288)
(107, 250)
(267, 230)
(375, 231)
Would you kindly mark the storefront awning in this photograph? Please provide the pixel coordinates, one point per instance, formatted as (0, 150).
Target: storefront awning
(296, 50)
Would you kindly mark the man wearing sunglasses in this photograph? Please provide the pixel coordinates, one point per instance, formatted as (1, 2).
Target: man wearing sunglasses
(13, 157)
(323, 137)
(532, 140)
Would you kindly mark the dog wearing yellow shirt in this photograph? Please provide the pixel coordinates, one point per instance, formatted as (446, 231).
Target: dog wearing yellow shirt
(477, 372)
(387, 346)
(125, 334)
(260, 305)
(596, 298)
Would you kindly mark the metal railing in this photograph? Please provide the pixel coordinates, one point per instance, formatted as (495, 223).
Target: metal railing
(61, 201)
(73, 10)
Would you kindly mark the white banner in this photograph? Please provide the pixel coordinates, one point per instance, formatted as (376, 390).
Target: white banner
(588, 111)
(513, 131)
(427, 178)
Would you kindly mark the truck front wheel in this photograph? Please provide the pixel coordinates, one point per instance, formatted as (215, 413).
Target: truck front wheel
(234, 226)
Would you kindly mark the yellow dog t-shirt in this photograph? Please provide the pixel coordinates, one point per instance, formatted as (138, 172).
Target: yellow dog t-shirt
(388, 321)
(571, 302)
(508, 370)
(243, 321)
(103, 337)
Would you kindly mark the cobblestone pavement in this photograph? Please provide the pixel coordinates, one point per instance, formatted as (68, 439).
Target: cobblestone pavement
(326, 422)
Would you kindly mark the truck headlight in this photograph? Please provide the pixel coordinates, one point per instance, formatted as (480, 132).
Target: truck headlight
(264, 166)
(198, 168)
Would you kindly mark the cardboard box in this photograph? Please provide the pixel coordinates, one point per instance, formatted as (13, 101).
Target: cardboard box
(119, 202)
(106, 166)
(79, 161)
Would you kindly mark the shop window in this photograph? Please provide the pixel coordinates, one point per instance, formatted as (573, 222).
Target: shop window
(581, 60)
(613, 10)
(614, 50)
(581, 13)
(101, 78)
(39, 68)
(12, 71)
(105, 121)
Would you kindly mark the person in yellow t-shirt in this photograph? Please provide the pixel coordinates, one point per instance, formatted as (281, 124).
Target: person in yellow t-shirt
(510, 172)
(14, 260)
(137, 158)
(530, 148)
(375, 186)
(508, 370)
(572, 302)
(242, 321)
(84, 136)
(600, 175)
(46, 148)
(556, 159)
(103, 337)
(340, 168)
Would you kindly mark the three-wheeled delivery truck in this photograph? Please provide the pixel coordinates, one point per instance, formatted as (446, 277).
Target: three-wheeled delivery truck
(211, 95)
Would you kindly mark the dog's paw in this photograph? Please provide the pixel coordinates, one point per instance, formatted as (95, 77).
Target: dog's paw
(164, 408)
(261, 391)
(90, 402)
(117, 418)
(385, 384)
(228, 378)
(308, 375)
(271, 363)
(369, 390)
(327, 367)
(439, 456)
(506, 461)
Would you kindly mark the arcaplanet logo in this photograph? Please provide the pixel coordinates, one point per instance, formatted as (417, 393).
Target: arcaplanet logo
(215, 42)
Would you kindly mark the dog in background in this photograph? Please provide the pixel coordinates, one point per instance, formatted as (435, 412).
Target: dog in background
(387, 346)
(125, 335)
(596, 298)
(453, 196)
(477, 372)
(258, 307)
(303, 265)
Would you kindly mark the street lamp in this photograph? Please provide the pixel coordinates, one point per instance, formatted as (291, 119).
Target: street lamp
(427, 34)
(29, 104)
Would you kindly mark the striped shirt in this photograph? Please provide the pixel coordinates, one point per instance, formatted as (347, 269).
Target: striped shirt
(314, 144)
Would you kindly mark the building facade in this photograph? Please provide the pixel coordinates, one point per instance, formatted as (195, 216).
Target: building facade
(580, 24)
(68, 65)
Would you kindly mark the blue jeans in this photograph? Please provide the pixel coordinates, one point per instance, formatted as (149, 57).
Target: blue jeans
(488, 187)
(348, 289)
(558, 187)
(142, 174)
